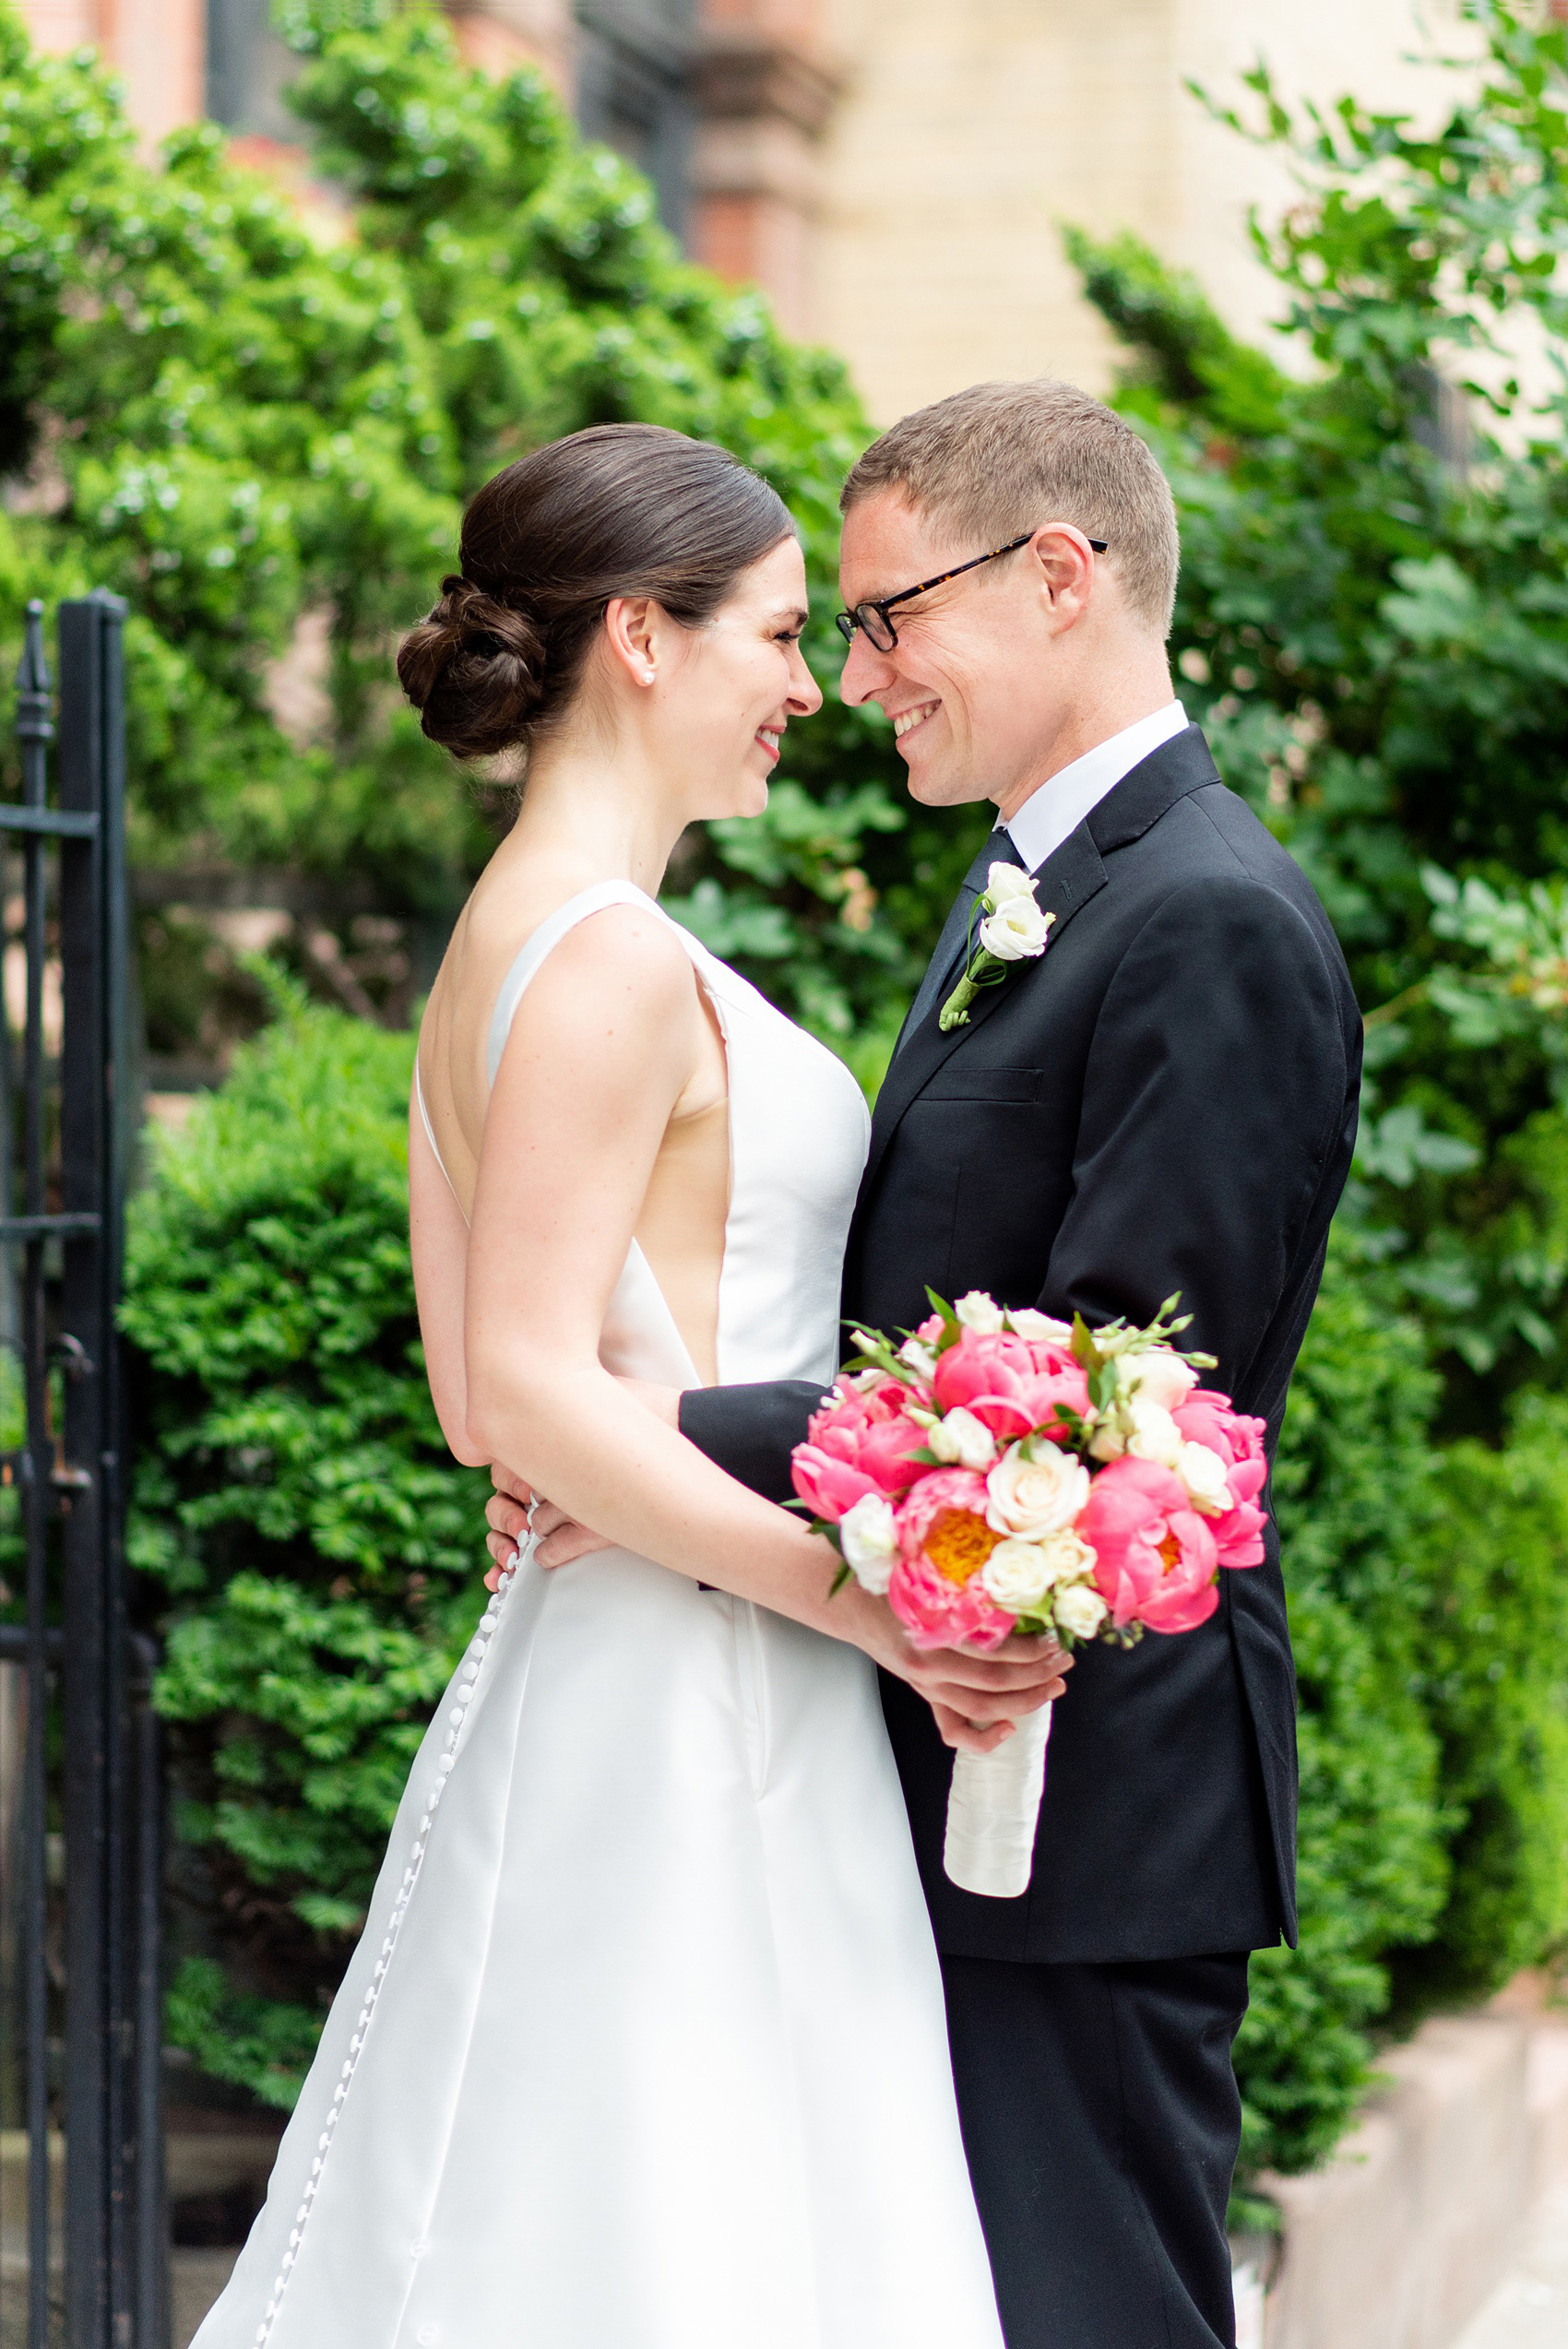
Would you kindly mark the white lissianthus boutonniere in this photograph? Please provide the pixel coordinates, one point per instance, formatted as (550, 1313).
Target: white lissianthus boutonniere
(1005, 927)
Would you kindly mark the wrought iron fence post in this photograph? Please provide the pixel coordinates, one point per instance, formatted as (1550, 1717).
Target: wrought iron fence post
(36, 732)
(115, 2236)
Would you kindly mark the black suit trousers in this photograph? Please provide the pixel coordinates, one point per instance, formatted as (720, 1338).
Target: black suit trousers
(1102, 2120)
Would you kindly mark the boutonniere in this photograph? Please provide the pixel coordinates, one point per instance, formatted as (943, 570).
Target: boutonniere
(1012, 930)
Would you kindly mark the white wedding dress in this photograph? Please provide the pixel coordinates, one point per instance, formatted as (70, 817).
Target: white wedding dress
(644, 2046)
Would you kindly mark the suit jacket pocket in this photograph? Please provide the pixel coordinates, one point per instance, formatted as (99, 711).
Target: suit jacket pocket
(958, 1080)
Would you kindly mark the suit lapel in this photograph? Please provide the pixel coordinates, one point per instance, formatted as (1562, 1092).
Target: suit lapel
(1070, 876)
(1067, 879)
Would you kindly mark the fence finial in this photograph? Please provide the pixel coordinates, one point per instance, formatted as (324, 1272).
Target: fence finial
(34, 684)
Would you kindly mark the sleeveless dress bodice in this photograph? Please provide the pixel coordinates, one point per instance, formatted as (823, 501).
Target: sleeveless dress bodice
(799, 1131)
(644, 2046)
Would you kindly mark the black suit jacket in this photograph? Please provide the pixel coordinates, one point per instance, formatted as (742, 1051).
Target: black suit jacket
(1165, 1100)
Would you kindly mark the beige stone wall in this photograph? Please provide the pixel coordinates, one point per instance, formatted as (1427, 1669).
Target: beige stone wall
(969, 128)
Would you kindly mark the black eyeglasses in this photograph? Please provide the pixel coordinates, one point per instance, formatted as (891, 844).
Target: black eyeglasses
(874, 619)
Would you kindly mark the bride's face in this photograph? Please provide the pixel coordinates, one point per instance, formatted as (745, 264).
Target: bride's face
(736, 683)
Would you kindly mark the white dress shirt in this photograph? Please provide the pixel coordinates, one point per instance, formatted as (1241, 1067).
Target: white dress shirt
(1060, 805)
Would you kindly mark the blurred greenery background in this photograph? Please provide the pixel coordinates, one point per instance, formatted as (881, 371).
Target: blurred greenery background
(260, 429)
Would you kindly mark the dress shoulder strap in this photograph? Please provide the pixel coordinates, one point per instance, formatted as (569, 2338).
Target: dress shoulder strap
(542, 942)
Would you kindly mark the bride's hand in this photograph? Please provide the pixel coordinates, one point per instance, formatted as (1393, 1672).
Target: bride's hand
(560, 1538)
(976, 1699)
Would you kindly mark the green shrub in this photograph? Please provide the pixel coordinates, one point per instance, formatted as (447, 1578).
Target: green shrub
(1354, 1489)
(319, 1554)
(1495, 1687)
(238, 422)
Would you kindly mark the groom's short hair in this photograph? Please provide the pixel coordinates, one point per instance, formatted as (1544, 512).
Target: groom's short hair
(1003, 458)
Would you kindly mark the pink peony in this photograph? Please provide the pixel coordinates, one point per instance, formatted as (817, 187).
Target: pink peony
(858, 1444)
(943, 1541)
(1207, 1417)
(1010, 1384)
(1157, 1561)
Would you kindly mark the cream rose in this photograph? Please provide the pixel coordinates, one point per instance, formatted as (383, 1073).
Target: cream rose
(979, 1312)
(1016, 1575)
(870, 1541)
(1030, 1498)
(1079, 1611)
(1017, 930)
(1041, 1326)
(1203, 1473)
(963, 1441)
(1020, 1574)
(1145, 1429)
(1158, 1376)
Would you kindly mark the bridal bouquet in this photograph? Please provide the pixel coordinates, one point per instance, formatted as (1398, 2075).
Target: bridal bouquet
(1000, 1472)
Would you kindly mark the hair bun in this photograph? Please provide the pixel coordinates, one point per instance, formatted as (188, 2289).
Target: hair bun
(474, 669)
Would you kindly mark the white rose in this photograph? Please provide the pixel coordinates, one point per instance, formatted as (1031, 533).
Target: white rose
(1080, 1610)
(1017, 930)
(1154, 1434)
(1143, 1429)
(1203, 1473)
(1016, 1575)
(1005, 880)
(963, 1441)
(919, 1357)
(1157, 1376)
(1029, 1323)
(869, 1542)
(1068, 1557)
(980, 1313)
(1032, 1497)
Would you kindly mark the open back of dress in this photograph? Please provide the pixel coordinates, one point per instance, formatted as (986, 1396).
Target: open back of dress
(644, 2046)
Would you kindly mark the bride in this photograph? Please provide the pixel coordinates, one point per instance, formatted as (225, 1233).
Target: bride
(644, 2044)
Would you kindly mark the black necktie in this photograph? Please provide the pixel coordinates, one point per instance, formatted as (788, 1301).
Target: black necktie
(941, 971)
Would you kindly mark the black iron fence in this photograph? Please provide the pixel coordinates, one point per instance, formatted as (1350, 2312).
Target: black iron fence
(83, 2013)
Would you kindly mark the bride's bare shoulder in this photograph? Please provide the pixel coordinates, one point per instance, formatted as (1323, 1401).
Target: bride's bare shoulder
(623, 954)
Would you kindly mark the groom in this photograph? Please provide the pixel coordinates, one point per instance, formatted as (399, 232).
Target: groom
(1165, 1100)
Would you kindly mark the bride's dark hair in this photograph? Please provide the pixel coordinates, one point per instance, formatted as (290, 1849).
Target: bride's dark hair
(617, 510)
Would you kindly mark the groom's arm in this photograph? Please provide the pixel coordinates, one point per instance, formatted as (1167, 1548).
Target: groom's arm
(750, 1431)
(1214, 1110)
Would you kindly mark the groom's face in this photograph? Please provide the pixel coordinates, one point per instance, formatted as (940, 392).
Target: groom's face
(964, 681)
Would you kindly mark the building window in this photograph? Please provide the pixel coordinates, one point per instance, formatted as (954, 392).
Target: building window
(247, 67)
(634, 90)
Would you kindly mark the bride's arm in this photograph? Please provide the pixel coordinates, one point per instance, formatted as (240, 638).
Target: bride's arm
(600, 1050)
(604, 1043)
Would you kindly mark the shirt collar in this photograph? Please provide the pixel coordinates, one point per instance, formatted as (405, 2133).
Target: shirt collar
(1060, 805)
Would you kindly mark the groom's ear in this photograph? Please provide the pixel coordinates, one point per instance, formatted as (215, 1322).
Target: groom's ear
(1063, 564)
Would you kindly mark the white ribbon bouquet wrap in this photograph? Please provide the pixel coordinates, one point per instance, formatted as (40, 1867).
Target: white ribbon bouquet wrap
(998, 1473)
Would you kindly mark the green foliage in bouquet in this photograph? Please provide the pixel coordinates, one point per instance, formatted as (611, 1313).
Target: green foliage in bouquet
(316, 1552)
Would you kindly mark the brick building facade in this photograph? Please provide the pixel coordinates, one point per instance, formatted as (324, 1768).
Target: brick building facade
(892, 171)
